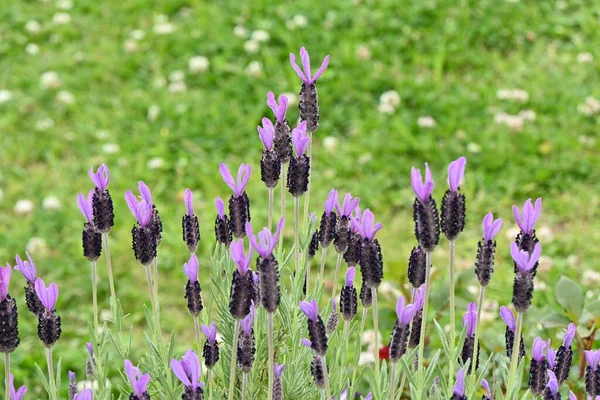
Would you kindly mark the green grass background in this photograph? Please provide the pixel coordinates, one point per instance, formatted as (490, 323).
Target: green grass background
(446, 59)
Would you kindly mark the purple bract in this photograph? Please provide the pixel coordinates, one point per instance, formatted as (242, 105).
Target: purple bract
(305, 76)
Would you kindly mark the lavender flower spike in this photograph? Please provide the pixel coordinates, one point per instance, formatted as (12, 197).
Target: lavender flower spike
(5, 273)
(469, 320)
(491, 227)
(552, 385)
(138, 381)
(210, 332)
(267, 240)
(306, 77)
(278, 109)
(85, 394)
(47, 296)
(100, 178)
(310, 309)
(422, 189)
(550, 355)
(459, 387)
(239, 256)
(593, 358)
(299, 139)
(16, 394)
(456, 173)
(486, 386)
(49, 323)
(188, 370)
(191, 268)
(86, 205)
(141, 210)
(243, 177)
(525, 262)
(266, 133)
(528, 216)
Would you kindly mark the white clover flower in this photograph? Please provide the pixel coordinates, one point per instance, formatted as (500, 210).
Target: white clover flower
(473, 148)
(50, 80)
(300, 21)
(365, 158)
(111, 148)
(330, 143)
(130, 46)
(585, 58)
(260, 36)
(363, 52)
(425, 122)
(591, 277)
(61, 18)
(545, 234)
(137, 34)
(78, 56)
(159, 82)
(240, 32)
(81, 385)
(254, 69)
(156, 163)
(32, 49)
(527, 115)
(198, 64)
(153, 112)
(51, 203)
(177, 87)
(368, 338)
(33, 27)
(251, 46)
(366, 358)
(44, 124)
(545, 263)
(386, 108)
(519, 95)
(23, 207)
(292, 98)
(66, 98)
(177, 76)
(387, 289)
(515, 122)
(5, 96)
(181, 108)
(37, 246)
(590, 107)
(64, 4)
(390, 97)
(164, 28)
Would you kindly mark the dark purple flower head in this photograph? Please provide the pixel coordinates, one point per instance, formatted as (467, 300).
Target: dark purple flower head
(16, 394)
(508, 317)
(422, 189)
(243, 177)
(469, 319)
(239, 256)
(248, 322)
(310, 309)
(529, 215)
(348, 206)
(5, 273)
(278, 109)
(368, 227)
(299, 139)
(85, 205)
(191, 268)
(266, 133)
(72, 378)
(90, 349)
(552, 383)
(459, 387)
(85, 394)
(332, 201)
(138, 381)
(47, 295)
(306, 342)
(593, 358)
(456, 173)
(141, 210)
(523, 259)
(550, 354)
(210, 332)
(569, 335)
(189, 202)
(486, 386)
(267, 240)
(220, 207)
(350, 274)
(305, 76)
(100, 178)
(418, 297)
(491, 226)
(27, 268)
(538, 349)
(188, 370)
(278, 370)
(405, 313)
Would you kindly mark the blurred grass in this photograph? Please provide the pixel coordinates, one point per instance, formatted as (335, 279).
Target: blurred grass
(445, 59)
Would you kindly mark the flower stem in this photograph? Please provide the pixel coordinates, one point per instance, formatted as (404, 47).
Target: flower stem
(109, 266)
(452, 296)
(323, 257)
(514, 363)
(155, 283)
(308, 263)
(402, 382)
(420, 374)
(209, 383)
(362, 329)
(282, 202)
(326, 373)
(336, 274)
(234, 346)
(52, 381)
(393, 381)
(270, 225)
(296, 233)
(95, 296)
(271, 345)
(309, 153)
(476, 345)
(244, 385)
(157, 329)
(376, 333)
(7, 375)
(197, 331)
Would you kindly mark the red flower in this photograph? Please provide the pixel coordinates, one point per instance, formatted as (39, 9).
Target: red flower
(384, 353)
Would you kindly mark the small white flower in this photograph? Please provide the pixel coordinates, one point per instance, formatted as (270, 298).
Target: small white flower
(512, 233)
(590, 107)
(260, 36)
(366, 358)
(153, 112)
(330, 143)
(474, 290)
(44, 124)
(368, 338)
(37, 246)
(585, 58)
(111, 148)
(51, 203)
(300, 21)
(78, 56)
(390, 97)
(182, 163)
(527, 115)
(61, 18)
(177, 76)
(292, 99)
(365, 158)
(572, 261)
(181, 108)
(23, 207)
(587, 140)
(5, 96)
(50, 80)
(64, 4)
(515, 122)
(32, 49)
(363, 52)
(591, 277)
(545, 263)
(159, 82)
(426, 122)
(198, 64)
(545, 234)
(81, 385)
(519, 95)
(65, 98)
(137, 34)
(164, 28)
(177, 87)
(130, 46)
(251, 46)
(156, 163)
(386, 108)
(102, 134)
(33, 27)
(473, 148)
(254, 69)
(240, 32)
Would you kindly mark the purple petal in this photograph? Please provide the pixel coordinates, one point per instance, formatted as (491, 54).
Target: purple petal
(322, 69)
(508, 317)
(27, 268)
(189, 202)
(350, 274)
(408, 314)
(248, 321)
(227, 177)
(343, 395)
(550, 355)
(299, 139)
(239, 257)
(310, 309)
(297, 69)
(486, 386)
(572, 396)
(19, 393)
(90, 348)
(242, 178)
(456, 173)
(419, 297)
(47, 296)
(191, 268)
(538, 349)
(133, 204)
(399, 306)
(275, 238)
(100, 178)
(5, 273)
(369, 396)
(534, 257)
(85, 394)
(552, 383)
(266, 133)
(569, 335)
(422, 189)
(191, 366)
(459, 387)
(85, 206)
(333, 305)
(491, 227)
(305, 63)
(306, 342)
(179, 372)
(278, 109)
(210, 332)
(220, 207)
(145, 193)
(469, 319)
(278, 370)
(331, 202)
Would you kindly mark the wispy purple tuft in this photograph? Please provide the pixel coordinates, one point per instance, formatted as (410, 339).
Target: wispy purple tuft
(469, 319)
(405, 313)
(191, 268)
(242, 178)
(210, 332)
(220, 207)
(85, 205)
(569, 335)
(141, 210)
(239, 256)
(278, 109)
(491, 226)
(348, 205)
(188, 370)
(16, 394)
(538, 349)
(529, 215)
(350, 274)
(306, 76)
(47, 295)
(368, 227)
(523, 259)
(508, 317)
(299, 139)
(5, 273)
(278, 369)
(138, 381)
(459, 387)
(266, 133)
(27, 268)
(267, 240)
(422, 189)
(456, 173)
(248, 322)
(100, 178)
(189, 202)
(332, 201)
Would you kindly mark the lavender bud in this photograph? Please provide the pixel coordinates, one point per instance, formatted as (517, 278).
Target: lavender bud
(510, 341)
(191, 232)
(194, 298)
(317, 336)
(210, 353)
(371, 263)
(9, 325)
(144, 243)
(72, 385)
(270, 168)
(313, 246)
(417, 267)
(343, 234)
(102, 206)
(527, 242)
(190, 394)
(415, 330)
(398, 341)
(309, 106)
(467, 352)
(484, 264)
(33, 302)
(282, 142)
(332, 322)
(592, 381)
(277, 389)
(242, 292)
(298, 173)
(49, 328)
(366, 296)
(239, 213)
(427, 223)
(538, 376)
(223, 230)
(246, 351)
(91, 239)
(318, 372)
(328, 229)
(522, 291)
(270, 295)
(352, 254)
(453, 214)
(564, 359)
(348, 302)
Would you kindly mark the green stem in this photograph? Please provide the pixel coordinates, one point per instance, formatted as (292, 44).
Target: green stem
(234, 346)
(52, 381)
(514, 363)
(476, 345)
(7, 375)
(308, 262)
(420, 374)
(296, 234)
(402, 382)
(209, 383)
(326, 373)
(323, 257)
(283, 177)
(393, 381)
(244, 386)
(157, 329)
(155, 282)
(271, 346)
(309, 153)
(270, 225)
(337, 272)
(452, 296)
(111, 280)
(95, 296)
(197, 331)
(376, 333)
(362, 330)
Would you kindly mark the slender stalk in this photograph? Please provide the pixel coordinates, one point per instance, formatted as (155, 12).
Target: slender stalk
(402, 382)
(420, 374)
(95, 296)
(296, 233)
(362, 329)
(244, 386)
(7, 375)
(111, 280)
(155, 281)
(452, 295)
(346, 331)
(197, 331)
(326, 373)
(270, 225)
(336, 274)
(234, 346)
(308, 265)
(309, 153)
(153, 302)
(283, 177)
(323, 257)
(209, 383)
(271, 345)
(376, 333)
(393, 381)
(514, 363)
(476, 346)
(52, 381)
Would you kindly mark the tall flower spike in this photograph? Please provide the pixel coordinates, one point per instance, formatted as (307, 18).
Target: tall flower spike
(528, 216)
(422, 189)
(523, 283)
(592, 375)
(417, 267)
(299, 170)
(246, 344)
(72, 385)
(91, 236)
(16, 394)
(49, 323)
(538, 376)
(425, 213)
(27, 268)
(348, 299)
(328, 226)
(145, 235)
(469, 321)
(486, 249)
(279, 109)
(564, 355)
(305, 76)
(222, 224)
(332, 320)
(9, 316)
(316, 328)
(371, 259)
(344, 232)
(401, 331)
(309, 100)
(193, 291)
(239, 204)
(268, 268)
(139, 382)
(100, 178)
(270, 164)
(509, 319)
(454, 203)
(242, 285)
(102, 205)
(278, 384)
(189, 223)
